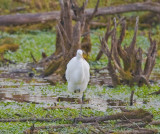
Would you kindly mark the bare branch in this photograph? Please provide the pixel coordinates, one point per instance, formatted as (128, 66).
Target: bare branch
(78, 11)
(150, 61)
(121, 52)
(84, 5)
(138, 69)
(66, 36)
(61, 4)
(133, 43)
(105, 47)
(107, 35)
(34, 60)
(111, 68)
(114, 45)
(62, 40)
(94, 12)
(131, 121)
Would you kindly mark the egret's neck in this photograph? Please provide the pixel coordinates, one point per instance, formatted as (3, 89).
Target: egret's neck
(78, 57)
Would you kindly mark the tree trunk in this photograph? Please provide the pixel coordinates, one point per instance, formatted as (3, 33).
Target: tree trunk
(68, 39)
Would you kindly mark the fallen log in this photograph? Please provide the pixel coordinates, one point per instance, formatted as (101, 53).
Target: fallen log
(95, 25)
(34, 129)
(134, 114)
(31, 119)
(155, 123)
(55, 107)
(135, 119)
(139, 131)
(27, 131)
(133, 126)
(155, 93)
(29, 18)
(20, 100)
(96, 125)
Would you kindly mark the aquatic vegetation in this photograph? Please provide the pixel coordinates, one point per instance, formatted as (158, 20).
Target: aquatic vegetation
(34, 43)
(100, 99)
(16, 110)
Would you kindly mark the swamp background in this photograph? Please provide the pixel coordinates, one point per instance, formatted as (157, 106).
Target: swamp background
(23, 94)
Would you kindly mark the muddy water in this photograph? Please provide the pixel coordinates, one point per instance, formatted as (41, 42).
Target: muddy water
(19, 86)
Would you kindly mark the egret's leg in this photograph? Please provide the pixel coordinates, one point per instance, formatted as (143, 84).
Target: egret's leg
(80, 114)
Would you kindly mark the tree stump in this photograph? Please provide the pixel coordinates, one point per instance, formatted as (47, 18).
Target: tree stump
(68, 38)
(125, 63)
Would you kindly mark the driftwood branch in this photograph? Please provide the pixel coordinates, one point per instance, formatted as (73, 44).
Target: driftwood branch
(21, 100)
(156, 93)
(139, 131)
(27, 131)
(30, 18)
(155, 122)
(30, 119)
(135, 119)
(135, 131)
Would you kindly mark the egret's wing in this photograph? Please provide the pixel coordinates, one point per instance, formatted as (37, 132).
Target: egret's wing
(69, 69)
(86, 70)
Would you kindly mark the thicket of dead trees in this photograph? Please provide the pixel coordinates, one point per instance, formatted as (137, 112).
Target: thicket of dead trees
(68, 38)
(125, 63)
(69, 35)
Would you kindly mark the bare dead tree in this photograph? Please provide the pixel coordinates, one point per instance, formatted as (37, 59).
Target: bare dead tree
(86, 40)
(131, 71)
(68, 38)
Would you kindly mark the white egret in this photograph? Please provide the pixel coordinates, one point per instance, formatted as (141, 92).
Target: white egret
(77, 74)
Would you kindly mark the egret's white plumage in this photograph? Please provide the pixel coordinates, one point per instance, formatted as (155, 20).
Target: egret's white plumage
(77, 73)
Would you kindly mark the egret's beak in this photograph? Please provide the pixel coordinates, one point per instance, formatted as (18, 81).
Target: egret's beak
(84, 52)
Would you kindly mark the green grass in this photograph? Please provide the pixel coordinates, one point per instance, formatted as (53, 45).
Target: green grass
(16, 110)
(36, 43)
(42, 41)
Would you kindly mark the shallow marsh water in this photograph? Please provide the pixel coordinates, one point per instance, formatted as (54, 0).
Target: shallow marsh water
(16, 85)
(22, 96)
(20, 87)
